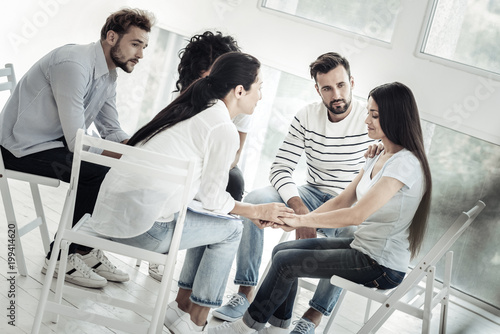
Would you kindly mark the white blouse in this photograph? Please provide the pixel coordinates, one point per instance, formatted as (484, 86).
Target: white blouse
(128, 205)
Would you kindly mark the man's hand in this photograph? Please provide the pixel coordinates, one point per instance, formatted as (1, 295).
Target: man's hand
(373, 150)
(300, 208)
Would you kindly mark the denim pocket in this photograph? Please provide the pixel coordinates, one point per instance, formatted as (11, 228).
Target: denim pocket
(388, 280)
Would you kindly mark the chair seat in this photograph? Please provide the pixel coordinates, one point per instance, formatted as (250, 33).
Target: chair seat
(43, 180)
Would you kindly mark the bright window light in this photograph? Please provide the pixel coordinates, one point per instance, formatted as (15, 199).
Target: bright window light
(371, 18)
(466, 32)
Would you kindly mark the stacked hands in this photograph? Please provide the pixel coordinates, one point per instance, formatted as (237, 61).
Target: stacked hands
(276, 215)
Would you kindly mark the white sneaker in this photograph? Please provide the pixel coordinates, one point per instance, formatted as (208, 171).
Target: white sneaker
(274, 330)
(237, 327)
(102, 266)
(156, 271)
(78, 272)
(173, 313)
(184, 325)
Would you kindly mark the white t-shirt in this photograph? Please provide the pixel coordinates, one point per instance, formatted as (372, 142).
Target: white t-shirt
(384, 235)
(128, 205)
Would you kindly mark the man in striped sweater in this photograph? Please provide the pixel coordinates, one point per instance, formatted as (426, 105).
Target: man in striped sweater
(333, 135)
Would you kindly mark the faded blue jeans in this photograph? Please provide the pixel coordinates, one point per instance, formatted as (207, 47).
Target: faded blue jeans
(314, 258)
(211, 245)
(249, 256)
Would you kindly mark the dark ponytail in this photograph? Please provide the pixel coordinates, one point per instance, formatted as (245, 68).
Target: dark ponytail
(228, 71)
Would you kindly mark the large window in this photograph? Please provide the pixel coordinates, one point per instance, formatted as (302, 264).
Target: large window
(465, 32)
(375, 19)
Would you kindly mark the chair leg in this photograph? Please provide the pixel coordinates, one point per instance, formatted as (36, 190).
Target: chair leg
(367, 310)
(429, 291)
(12, 224)
(61, 275)
(446, 299)
(334, 312)
(37, 201)
(44, 295)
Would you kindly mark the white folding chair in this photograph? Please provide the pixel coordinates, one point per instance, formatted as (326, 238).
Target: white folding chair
(34, 181)
(83, 234)
(414, 296)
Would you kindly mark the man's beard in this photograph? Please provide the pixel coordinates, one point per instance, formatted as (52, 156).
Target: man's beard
(116, 55)
(338, 110)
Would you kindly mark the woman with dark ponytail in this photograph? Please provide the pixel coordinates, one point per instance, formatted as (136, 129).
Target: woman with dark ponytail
(196, 125)
(389, 202)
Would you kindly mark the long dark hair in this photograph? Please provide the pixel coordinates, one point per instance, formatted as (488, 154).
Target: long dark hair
(400, 121)
(228, 71)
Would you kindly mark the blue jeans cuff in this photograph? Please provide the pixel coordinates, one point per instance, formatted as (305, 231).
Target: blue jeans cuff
(185, 286)
(245, 283)
(280, 322)
(206, 303)
(319, 308)
(248, 320)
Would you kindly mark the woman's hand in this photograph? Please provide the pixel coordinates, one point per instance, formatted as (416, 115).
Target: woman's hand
(287, 224)
(270, 213)
(294, 221)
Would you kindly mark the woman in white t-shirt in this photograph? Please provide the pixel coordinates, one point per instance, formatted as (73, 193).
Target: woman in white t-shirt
(389, 201)
(197, 126)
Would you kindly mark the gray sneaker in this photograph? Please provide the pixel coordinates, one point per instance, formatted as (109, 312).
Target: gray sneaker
(156, 271)
(303, 326)
(103, 267)
(234, 309)
(78, 272)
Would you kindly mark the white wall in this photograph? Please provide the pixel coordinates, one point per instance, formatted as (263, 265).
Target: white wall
(450, 97)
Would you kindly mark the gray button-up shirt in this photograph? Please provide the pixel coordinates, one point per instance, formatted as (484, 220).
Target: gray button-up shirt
(66, 90)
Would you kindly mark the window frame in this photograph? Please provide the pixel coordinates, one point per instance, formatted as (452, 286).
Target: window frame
(327, 27)
(422, 41)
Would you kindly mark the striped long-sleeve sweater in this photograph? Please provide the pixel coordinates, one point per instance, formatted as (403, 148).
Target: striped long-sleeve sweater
(334, 151)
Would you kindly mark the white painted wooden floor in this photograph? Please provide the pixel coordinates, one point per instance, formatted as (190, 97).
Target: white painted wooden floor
(141, 288)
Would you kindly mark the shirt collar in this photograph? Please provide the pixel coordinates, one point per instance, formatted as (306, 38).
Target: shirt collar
(101, 67)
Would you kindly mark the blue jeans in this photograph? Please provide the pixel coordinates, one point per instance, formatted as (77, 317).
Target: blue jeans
(249, 256)
(314, 258)
(211, 245)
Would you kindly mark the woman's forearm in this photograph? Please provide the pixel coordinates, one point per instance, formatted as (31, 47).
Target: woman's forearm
(331, 219)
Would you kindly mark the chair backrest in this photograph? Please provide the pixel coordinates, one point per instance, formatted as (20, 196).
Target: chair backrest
(8, 72)
(439, 249)
(145, 163)
(10, 84)
(451, 235)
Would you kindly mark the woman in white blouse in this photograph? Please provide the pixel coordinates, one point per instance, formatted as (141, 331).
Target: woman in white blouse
(196, 125)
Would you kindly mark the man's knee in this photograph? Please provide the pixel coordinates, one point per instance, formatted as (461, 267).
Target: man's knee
(263, 195)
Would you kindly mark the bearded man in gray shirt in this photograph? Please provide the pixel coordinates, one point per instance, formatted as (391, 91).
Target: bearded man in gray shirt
(68, 89)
